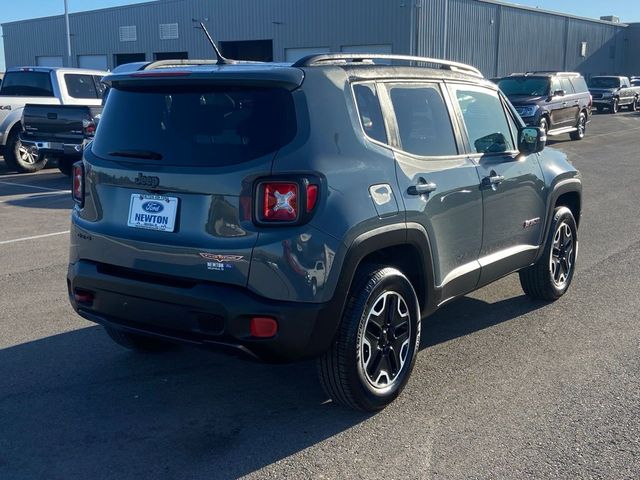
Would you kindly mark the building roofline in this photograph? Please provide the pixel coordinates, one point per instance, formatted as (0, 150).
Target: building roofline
(156, 2)
(552, 12)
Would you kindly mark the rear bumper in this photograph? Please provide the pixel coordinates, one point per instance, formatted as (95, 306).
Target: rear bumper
(56, 148)
(203, 313)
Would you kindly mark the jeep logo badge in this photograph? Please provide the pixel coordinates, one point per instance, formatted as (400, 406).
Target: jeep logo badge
(147, 181)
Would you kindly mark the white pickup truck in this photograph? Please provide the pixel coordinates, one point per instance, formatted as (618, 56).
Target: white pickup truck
(43, 86)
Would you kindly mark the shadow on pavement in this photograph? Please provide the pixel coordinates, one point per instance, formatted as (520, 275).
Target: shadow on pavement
(76, 405)
(468, 315)
(60, 201)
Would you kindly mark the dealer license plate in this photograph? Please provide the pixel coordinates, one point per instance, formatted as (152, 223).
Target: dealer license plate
(153, 212)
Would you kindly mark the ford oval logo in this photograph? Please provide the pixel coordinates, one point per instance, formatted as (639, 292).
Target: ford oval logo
(152, 207)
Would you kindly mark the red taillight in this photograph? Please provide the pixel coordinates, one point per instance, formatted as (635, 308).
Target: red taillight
(263, 327)
(88, 126)
(83, 296)
(279, 202)
(78, 183)
(312, 197)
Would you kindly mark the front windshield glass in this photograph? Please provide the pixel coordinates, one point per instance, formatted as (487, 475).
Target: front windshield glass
(604, 82)
(529, 86)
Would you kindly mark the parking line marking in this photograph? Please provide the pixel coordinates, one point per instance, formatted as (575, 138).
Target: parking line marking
(15, 240)
(23, 197)
(34, 186)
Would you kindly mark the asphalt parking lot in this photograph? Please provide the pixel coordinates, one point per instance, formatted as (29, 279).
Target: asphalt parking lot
(503, 388)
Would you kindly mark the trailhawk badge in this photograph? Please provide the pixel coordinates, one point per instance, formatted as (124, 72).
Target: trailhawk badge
(221, 258)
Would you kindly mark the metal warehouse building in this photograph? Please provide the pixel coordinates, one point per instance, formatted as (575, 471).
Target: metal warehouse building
(497, 37)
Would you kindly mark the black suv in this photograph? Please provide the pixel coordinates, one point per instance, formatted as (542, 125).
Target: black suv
(558, 102)
(319, 209)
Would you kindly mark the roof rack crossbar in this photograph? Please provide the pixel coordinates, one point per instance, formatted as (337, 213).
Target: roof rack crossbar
(317, 59)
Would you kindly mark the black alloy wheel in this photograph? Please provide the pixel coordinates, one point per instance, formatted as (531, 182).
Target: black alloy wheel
(562, 256)
(384, 347)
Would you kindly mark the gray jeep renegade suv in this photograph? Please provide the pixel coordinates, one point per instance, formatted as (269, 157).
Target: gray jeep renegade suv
(319, 209)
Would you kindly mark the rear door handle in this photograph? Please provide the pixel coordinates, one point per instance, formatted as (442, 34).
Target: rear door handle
(422, 187)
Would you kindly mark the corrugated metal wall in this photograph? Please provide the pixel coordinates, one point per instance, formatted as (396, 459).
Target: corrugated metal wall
(500, 39)
(289, 23)
(497, 38)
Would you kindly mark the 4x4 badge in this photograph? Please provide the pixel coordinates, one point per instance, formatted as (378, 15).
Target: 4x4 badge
(221, 258)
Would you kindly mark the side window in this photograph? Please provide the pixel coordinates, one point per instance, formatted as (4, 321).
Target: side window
(566, 86)
(424, 124)
(370, 111)
(80, 86)
(579, 85)
(555, 85)
(513, 124)
(485, 120)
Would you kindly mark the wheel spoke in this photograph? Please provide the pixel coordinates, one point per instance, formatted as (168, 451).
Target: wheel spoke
(391, 309)
(394, 361)
(372, 334)
(375, 364)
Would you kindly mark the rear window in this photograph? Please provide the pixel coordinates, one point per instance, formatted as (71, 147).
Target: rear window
(207, 127)
(80, 86)
(604, 82)
(27, 84)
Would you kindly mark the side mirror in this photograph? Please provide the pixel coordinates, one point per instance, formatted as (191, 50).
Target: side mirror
(559, 93)
(531, 140)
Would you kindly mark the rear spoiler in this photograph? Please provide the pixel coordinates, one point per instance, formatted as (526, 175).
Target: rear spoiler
(174, 72)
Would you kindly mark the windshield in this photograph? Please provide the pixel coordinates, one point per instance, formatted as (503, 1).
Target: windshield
(195, 125)
(530, 86)
(604, 82)
(27, 84)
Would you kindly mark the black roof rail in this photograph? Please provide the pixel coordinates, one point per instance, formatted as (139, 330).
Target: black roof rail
(321, 58)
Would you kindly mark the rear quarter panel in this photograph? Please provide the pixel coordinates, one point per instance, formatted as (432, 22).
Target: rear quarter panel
(332, 147)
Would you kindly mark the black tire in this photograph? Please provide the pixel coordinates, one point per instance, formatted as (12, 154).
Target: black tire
(634, 106)
(21, 159)
(544, 124)
(137, 342)
(65, 165)
(544, 279)
(615, 106)
(581, 126)
(344, 370)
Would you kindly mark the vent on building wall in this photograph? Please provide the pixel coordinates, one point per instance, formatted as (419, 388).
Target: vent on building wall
(128, 33)
(168, 31)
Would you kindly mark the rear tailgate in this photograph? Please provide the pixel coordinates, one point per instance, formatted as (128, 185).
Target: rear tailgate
(58, 124)
(170, 175)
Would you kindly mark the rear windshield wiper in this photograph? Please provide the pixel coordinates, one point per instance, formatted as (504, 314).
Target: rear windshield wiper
(146, 154)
